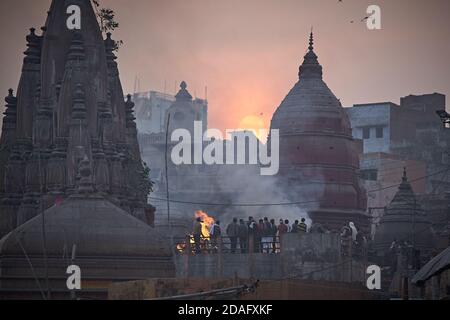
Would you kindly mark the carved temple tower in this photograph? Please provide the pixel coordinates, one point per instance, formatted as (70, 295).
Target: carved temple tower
(69, 105)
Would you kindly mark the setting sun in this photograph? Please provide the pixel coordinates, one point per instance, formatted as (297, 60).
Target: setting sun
(254, 124)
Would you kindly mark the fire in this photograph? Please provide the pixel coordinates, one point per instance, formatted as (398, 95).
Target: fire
(207, 222)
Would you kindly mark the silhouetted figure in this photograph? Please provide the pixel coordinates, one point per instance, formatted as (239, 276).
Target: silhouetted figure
(233, 233)
(197, 234)
(267, 236)
(243, 236)
(252, 230)
(289, 229)
(259, 235)
(215, 234)
(273, 234)
(295, 227)
(282, 228)
(303, 227)
(346, 241)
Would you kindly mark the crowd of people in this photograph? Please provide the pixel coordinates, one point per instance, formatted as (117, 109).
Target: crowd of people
(259, 236)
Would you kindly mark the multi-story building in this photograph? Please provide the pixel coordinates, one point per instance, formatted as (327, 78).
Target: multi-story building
(408, 135)
(152, 107)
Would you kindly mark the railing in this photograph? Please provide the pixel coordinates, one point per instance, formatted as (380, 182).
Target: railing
(210, 245)
(268, 245)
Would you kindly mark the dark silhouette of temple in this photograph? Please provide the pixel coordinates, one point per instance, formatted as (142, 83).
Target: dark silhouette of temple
(69, 104)
(318, 155)
(404, 221)
(73, 188)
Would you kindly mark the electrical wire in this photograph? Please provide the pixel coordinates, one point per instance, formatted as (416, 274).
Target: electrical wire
(282, 203)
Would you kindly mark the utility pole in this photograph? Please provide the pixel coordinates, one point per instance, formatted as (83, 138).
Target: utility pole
(414, 226)
(73, 294)
(172, 245)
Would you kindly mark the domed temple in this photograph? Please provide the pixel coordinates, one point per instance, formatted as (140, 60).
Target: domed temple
(69, 104)
(72, 182)
(318, 155)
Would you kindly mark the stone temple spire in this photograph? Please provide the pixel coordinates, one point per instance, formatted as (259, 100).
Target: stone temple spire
(310, 69)
(69, 104)
(9, 119)
(110, 45)
(11, 109)
(33, 52)
(404, 219)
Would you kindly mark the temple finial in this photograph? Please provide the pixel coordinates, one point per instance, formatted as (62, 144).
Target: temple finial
(311, 40)
(404, 178)
(310, 67)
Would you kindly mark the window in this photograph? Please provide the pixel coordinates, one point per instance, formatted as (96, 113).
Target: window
(369, 175)
(366, 133)
(379, 132)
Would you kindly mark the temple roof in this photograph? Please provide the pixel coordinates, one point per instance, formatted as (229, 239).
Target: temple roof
(404, 220)
(96, 226)
(311, 67)
(404, 203)
(301, 109)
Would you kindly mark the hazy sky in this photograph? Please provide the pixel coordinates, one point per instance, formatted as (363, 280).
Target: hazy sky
(248, 51)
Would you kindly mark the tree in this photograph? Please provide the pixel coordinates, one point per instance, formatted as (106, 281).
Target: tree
(106, 19)
(148, 184)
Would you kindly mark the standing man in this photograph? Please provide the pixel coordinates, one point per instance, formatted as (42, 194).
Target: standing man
(259, 234)
(243, 236)
(295, 227)
(252, 230)
(197, 233)
(289, 229)
(302, 227)
(282, 228)
(215, 233)
(267, 239)
(273, 234)
(233, 233)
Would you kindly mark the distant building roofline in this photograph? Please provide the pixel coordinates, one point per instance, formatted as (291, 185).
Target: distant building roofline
(148, 94)
(425, 95)
(376, 104)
